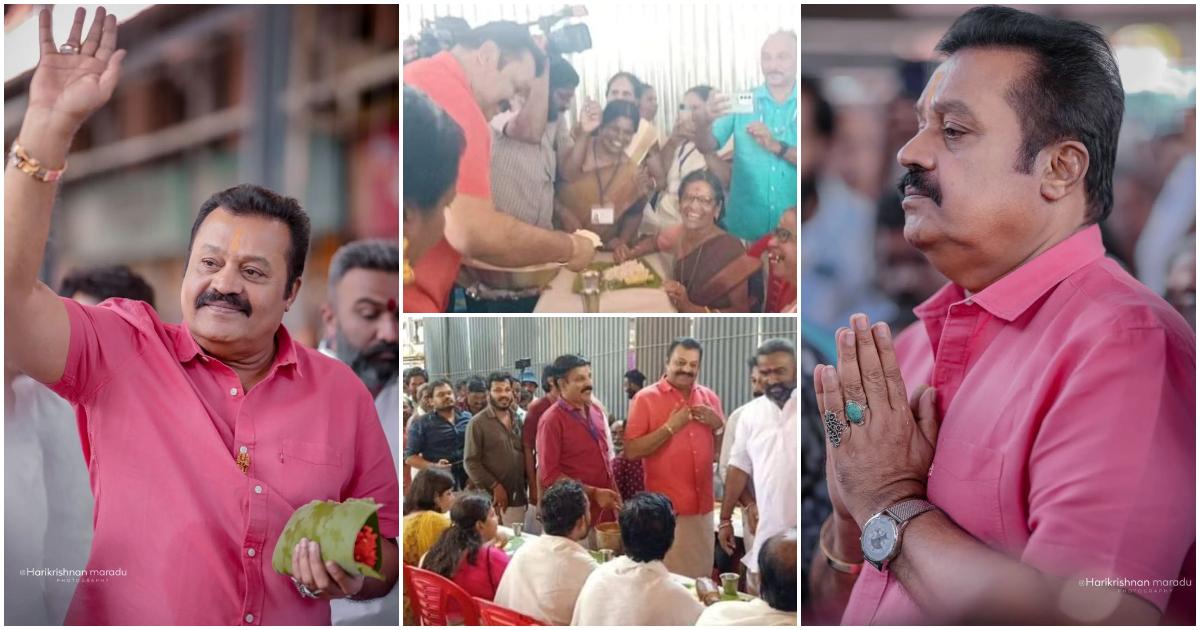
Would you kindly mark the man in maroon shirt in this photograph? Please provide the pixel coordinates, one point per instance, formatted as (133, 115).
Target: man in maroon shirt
(571, 439)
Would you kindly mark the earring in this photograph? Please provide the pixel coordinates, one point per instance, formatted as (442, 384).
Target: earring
(409, 274)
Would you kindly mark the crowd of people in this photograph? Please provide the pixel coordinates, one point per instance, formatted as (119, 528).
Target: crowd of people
(671, 474)
(494, 172)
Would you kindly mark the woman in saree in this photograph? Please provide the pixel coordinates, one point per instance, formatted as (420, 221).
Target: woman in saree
(604, 191)
(712, 270)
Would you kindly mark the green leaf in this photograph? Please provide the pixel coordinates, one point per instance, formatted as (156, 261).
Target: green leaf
(335, 527)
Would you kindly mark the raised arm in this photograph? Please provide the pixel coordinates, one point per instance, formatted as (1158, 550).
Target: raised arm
(65, 90)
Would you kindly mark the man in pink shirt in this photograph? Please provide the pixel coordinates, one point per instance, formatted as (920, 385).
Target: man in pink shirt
(671, 425)
(571, 440)
(1043, 471)
(201, 439)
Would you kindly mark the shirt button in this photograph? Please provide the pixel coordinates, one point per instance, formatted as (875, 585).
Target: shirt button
(233, 392)
(249, 618)
(257, 489)
(242, 449)
(250, 552)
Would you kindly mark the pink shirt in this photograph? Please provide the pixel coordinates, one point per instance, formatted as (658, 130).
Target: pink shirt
(482, 578)
(161, 424)
(682, 467)
(1067, 396)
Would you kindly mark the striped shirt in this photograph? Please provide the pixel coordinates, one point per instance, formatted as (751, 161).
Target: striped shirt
(523, 174)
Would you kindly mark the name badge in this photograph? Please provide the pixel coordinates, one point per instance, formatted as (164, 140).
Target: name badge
(602, 216)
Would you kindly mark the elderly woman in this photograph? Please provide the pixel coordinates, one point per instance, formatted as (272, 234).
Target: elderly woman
(712, 270)
(605, 191)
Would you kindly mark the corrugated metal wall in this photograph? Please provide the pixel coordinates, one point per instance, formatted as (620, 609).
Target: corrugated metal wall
(672, 46)
(456, 347)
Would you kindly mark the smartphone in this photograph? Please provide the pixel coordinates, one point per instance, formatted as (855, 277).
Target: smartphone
(742, 103)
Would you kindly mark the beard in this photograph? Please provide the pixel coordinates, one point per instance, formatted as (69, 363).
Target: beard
(372, 365)
(780, 392)
(496, 403)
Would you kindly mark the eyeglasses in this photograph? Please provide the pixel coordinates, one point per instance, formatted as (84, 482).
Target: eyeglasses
(704, 201)
(782, 235)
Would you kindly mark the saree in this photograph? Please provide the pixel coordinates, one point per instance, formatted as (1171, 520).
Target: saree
(619, 184)
(711, 269)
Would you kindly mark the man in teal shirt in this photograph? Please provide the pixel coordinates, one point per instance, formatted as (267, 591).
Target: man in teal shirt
(764, 146)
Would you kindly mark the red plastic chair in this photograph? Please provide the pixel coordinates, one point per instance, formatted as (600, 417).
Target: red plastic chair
(496, 615)
(430, 594)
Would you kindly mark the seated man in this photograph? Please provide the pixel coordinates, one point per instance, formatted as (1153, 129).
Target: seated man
(636, 589)
(544, 579)
(777, 568)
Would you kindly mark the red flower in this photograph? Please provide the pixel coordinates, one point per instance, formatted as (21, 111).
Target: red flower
(364, 546)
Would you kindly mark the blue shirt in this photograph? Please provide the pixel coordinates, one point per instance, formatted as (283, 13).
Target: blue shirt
(431, 437)
(763, 184)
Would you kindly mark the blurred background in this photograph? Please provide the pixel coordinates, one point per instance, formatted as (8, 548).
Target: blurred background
(870, 63)
(672, 46)
(454, 348)
(300, 99)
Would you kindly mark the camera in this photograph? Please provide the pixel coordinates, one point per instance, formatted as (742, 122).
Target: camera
(523, 364)
(440, 34)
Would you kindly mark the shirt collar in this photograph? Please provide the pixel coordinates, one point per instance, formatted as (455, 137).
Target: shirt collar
(187, 349)
(762, 92)
(1010, 296)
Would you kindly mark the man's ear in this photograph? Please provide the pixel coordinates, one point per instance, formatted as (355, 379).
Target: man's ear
(327, 320)
(295, 293)
(1066, 165)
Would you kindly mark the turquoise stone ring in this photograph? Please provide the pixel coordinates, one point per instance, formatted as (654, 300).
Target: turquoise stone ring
(855, 412)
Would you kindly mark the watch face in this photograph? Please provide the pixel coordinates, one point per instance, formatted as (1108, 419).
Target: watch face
(879, 538)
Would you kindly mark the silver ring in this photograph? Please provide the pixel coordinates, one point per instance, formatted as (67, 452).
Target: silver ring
(68, 49)
(305, 591)
(835, 429)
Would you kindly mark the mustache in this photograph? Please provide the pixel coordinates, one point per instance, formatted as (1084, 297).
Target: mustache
(684, 374)
(378, 353)
(233, 300)
(922, 183)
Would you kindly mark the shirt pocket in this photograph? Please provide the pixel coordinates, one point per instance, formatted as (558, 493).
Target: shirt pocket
(964, 482)
(313, 453)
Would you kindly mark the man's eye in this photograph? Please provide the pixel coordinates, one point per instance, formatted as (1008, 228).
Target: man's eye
(952, 134)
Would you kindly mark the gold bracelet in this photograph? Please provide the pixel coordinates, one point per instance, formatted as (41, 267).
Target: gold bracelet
(841, 566)
(32, 167)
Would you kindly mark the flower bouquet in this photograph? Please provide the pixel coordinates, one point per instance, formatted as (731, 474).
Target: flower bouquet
(348, 533)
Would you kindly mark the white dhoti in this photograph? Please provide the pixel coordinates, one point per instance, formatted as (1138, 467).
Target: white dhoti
(692, 554)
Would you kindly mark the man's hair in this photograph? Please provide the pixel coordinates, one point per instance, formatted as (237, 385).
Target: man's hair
(511, 38)
(498, 377)
(372, 254)
(647, 526)
(687, 343)
(823, 116)
(562, 505)
(102, 283)
(441, 382)
(562, 74)
(638, 86)
(1071, 91)
(771, 346)
(777, 571)
(461, 384)
(414, 372)
(426, 487)
(703, 91)
(548, 375)
(248, 199)
(566, 363)
(477, 385)
(432, 134)
(636, 377)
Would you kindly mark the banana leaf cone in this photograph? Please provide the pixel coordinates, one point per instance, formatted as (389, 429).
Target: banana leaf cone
(348, 533)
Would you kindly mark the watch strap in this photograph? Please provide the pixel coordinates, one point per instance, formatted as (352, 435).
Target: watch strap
(783, 149)
(908, 509)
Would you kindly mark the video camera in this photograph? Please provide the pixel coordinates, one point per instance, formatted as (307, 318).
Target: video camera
(443, 33)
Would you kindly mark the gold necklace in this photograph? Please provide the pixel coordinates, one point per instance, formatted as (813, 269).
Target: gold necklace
(409, 274)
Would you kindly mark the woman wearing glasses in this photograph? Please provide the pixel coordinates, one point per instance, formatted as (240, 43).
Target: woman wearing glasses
(712, 270)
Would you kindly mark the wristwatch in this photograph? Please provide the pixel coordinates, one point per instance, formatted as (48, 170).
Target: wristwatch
(882, 534)
(783, 149)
